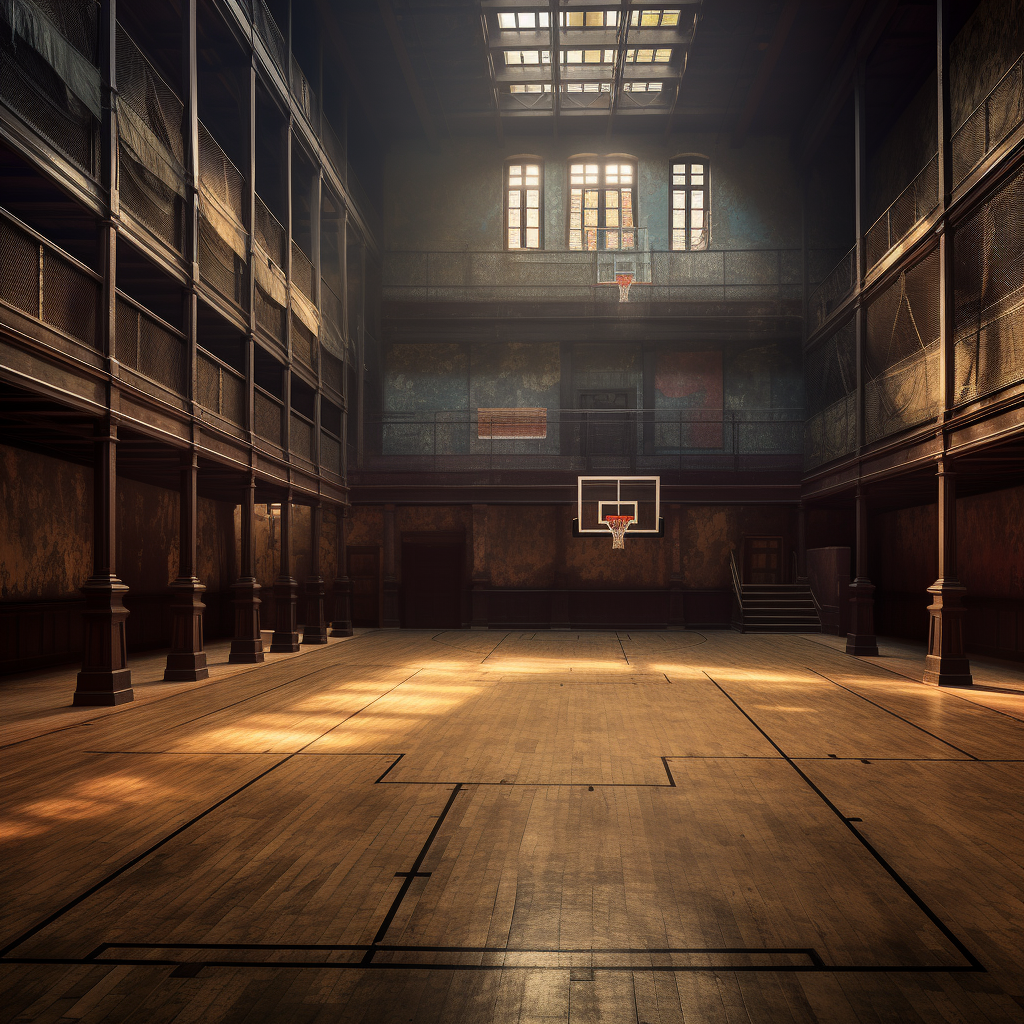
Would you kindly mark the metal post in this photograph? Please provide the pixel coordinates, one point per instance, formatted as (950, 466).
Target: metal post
(861, 638)
(341, 625)
(247, 641)
(315, 629)
(286, 589)
(391, 620)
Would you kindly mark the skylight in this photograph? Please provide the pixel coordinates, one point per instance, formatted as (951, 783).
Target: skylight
(588, 56)
(654, 19)
(521, 58)
(649, 56)
(590, 19)
(523, 20)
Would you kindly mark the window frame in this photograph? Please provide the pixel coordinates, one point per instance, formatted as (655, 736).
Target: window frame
(689, 159)
(601, 185)
(523, 162)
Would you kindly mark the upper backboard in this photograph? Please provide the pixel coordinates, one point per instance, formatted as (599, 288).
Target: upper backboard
(602, 496)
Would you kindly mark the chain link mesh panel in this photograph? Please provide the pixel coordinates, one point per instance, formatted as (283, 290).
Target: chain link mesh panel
(267, 416)
(301, 441)
(19, 269)
(304, 344)
(305, 96)
(208, 382)
(330, 453)
(833, 289)
(302, 271)
(988, 274)
(273, 38)
(270, 233)
(140, 85)
(998, 115)
(149, 348)
(830, 373)
(913, 204)
(150, 201)
(71, 299)
(270, 316)
(901, 360)
(31, 87)
(221, 267)
(332, 371)
(219, 177)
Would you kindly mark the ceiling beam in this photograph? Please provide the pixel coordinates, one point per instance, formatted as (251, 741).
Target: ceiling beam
(670, 120)
(418, 99)
(620, 63)
(489, 57)
(556, 66)
(764, 72)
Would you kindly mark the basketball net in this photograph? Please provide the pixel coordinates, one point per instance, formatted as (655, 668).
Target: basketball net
(618, 524)
(623, 281)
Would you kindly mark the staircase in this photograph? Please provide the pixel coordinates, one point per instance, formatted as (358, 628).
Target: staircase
(778, 608)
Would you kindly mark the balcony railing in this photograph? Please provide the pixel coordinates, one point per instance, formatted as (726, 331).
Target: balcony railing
(47, 284)
(911, 207)
(991, 122)
(302, 271)
(272, 37)
(577, 441)
(219, 388)
(149, 346)
(659, 276)
(829, 295)
(268, 412)
(305, 97)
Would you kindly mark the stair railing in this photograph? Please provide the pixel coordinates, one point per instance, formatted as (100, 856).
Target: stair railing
(737, 592)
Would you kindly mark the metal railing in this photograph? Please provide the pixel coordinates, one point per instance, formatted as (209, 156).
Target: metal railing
(829, 295)
(302, 271)
(305, 97)
(150, 346)
(909, 208)
(45, 283)
(219, 388)
(659, 275)
(580, 440)
(989, 123)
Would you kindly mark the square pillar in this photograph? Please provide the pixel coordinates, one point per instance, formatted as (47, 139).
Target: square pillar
(105, 679)
(286, 590)
(315, 630)
(946, 664)
(676, 614)
(481, 580)
(341, 624)
(861, 639)
(187, 659)
(390, 574)
(247, 641)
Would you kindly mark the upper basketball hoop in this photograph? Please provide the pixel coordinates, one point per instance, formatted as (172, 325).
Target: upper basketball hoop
(623, 281)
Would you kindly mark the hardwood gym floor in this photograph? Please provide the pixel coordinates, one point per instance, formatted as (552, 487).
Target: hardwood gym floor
(523, 827)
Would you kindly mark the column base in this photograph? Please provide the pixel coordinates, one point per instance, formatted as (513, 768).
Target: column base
(284, 643)
(246, 652)
(391, 605)
(861, 641)
(247, 643)
(104, 689)
(186, 661)
(946, 664)
(285, 639)
(314, 635)
(183, 668)
(340, 627)
(862, 646)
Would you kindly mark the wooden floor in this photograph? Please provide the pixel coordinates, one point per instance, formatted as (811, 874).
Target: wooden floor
(521, 827)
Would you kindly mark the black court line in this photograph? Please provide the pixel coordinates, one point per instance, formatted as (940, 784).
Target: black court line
(413, 872)
(952, 691)
(889, 711)
(973, 962)
(117, 872)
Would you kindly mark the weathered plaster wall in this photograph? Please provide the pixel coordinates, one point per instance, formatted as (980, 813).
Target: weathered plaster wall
(754, 198)
(45, 526)
(709, 532)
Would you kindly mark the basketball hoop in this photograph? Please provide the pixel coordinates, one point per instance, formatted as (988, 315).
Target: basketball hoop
(618, 524)
(623, 281)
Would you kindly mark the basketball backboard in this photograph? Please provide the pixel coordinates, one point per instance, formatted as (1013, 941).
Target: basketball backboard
(601, 496)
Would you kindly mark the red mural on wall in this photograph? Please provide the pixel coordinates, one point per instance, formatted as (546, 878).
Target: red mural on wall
(690, 391)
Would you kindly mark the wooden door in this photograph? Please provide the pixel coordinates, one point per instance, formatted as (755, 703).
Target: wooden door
(432, 581)
(762, 559)
(364, 572)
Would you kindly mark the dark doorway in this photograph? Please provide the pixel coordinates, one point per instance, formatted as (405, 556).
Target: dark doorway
(762, 559)
(432, 580)
(364, 572)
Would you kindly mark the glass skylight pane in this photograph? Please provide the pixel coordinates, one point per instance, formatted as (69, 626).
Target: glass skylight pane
(648, 19)
(543, 20)
(527, 20)
(662, 56)
(572, 19)
(506, 21)
(669, 18)
(611, 18)
(573, 56)
(595, 19)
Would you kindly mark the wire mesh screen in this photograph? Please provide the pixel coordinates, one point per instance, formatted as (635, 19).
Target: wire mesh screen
(332, 372)
(988, 273)
(334, 148)
(302, 271)
(19, 269)
(1000, 112)
(219, 177)
(270, 316)
(221, 267)
(271, 35)
(913, 204)
(148, 199)
(140, 86)
(32, 88)
(149, 348)
(305, 96)
(830, 373)
(301, 440)
(270, 233)
(304, 344)
(71, 299)
(901, 360)
(833, 289)
(330, 453)
(219, 389)
(267, 418)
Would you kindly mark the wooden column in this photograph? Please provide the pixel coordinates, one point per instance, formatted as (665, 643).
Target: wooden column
(801, 544)
(860, 216)
(676, 611)
(286, 589)
(946, 663)
(481, 580)
(947, 327)
(187, 659)
(390, 575)
(105, 678)
(247, 641)
(861, 638)
(560, 597)
(341, 624)
(315, 629)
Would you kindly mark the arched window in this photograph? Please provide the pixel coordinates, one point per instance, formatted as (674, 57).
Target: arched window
(690, 207)
(602, 202)
(523, 210)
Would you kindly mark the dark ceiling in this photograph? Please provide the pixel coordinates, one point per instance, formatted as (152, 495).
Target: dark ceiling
(751, 66)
